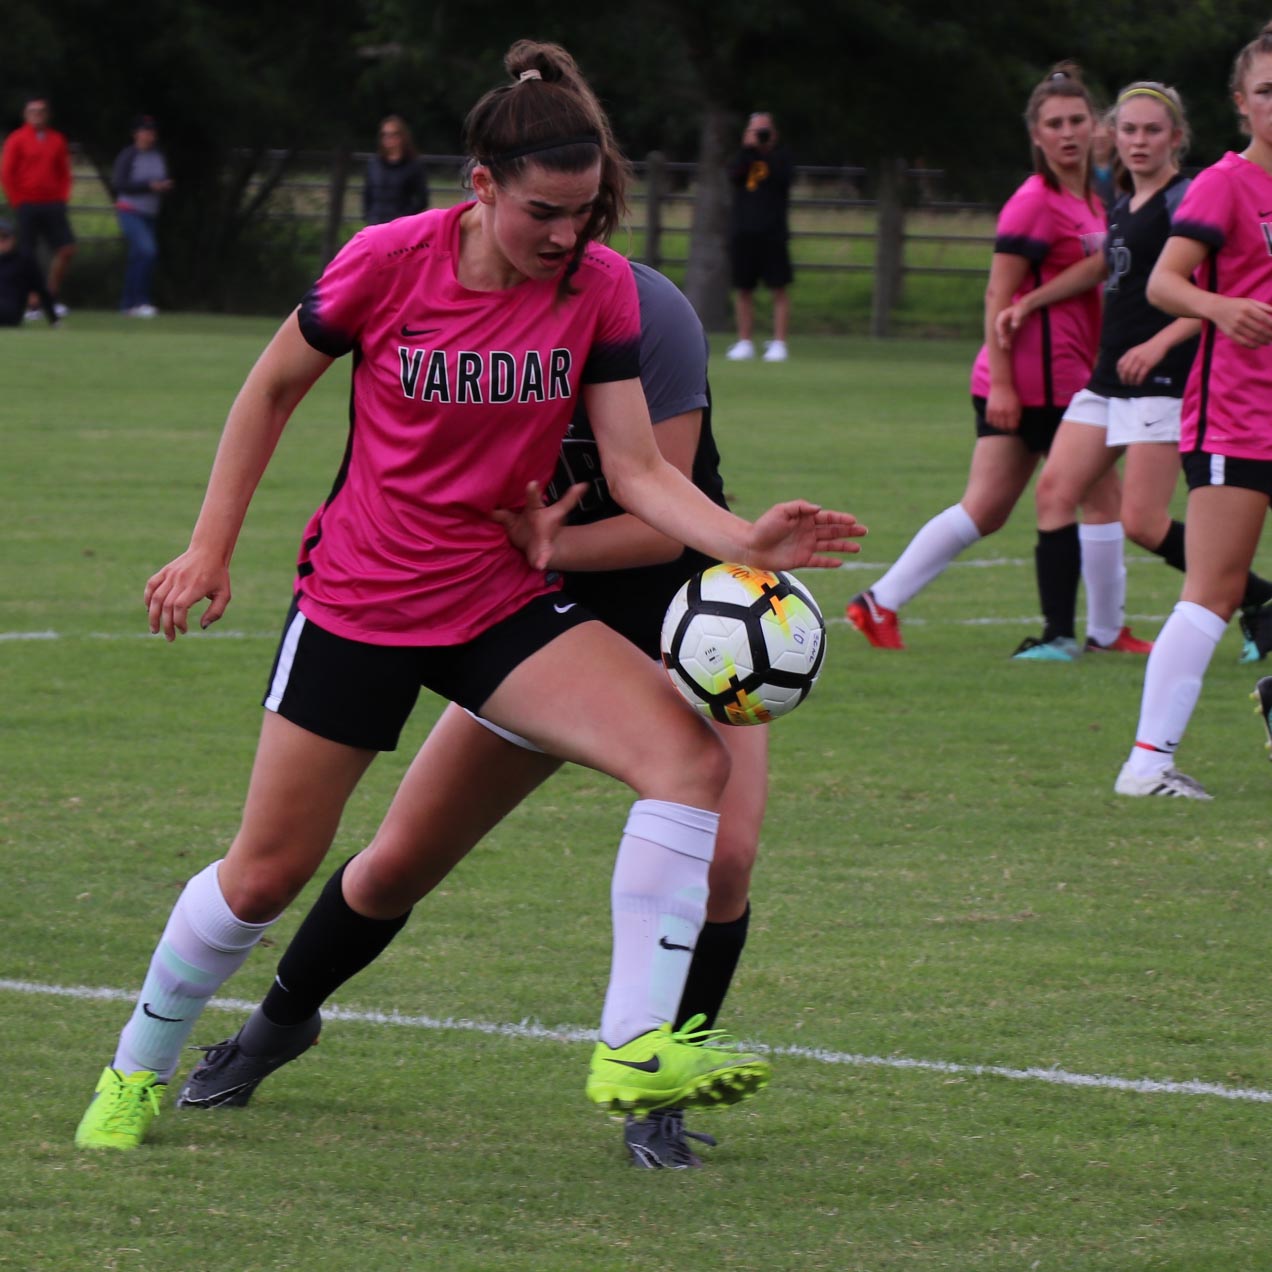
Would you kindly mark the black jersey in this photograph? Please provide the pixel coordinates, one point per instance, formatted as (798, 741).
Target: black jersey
(1135, 241)
(673, 374)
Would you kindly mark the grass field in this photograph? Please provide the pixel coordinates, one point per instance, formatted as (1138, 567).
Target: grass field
(1020, 1024)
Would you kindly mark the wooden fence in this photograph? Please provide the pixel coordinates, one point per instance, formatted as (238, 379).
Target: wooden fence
(891, 224)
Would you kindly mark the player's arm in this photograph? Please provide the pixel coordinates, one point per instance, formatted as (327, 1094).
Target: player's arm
(1135, 364)
(274, 387)
(624, 542)
(1002, 407)
(1080, 277)
(1245, 321)
(787, 536)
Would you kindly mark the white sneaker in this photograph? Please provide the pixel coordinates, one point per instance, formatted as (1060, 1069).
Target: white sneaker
(741, 351)
(1169, 782)
(142, 311)
(775, 351)
(60, 310)
(33, 315)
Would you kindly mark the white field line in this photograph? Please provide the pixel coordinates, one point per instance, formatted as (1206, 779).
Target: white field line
(531, 1030)
(833, 620)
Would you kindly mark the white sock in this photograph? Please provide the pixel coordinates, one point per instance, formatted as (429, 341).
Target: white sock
(1172, 682)
(1104, 577)
(659, 899)
(926, 555)
(201, 947)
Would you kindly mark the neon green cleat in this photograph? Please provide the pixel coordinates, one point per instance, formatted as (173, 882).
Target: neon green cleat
(665, 1068)
(123, 1107)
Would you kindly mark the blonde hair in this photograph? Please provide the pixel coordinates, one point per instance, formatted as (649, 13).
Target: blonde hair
(1167, 97)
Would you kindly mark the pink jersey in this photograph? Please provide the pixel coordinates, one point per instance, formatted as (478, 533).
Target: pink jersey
(459, 399)
(1053, 352)
(1228, 398)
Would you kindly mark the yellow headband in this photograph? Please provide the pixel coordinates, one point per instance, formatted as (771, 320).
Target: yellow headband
(1151, 92)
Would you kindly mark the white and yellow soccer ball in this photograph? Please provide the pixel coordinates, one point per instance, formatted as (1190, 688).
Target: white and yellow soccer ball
(744, 646)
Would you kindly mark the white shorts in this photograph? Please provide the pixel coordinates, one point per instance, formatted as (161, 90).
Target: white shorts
(1127, 420)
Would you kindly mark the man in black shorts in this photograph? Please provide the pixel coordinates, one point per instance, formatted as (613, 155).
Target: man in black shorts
(759, 249)
(35, 170)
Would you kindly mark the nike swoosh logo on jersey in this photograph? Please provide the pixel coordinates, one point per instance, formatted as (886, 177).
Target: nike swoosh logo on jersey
(667, 945)
(1267, 213)
(565, 609)
(652, 1065)
(408, 334)
(154, 1015)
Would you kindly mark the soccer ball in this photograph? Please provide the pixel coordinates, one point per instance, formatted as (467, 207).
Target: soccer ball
(744, 646)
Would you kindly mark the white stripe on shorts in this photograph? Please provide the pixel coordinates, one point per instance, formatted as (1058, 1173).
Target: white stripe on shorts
(286, 656)
(1216, 470)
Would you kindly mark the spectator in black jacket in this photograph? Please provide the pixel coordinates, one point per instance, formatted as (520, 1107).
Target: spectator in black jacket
(20, 277)
(397, 179)
(140, 178)
(758, 234)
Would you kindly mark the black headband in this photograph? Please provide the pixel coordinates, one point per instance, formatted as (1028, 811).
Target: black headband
(555, 143)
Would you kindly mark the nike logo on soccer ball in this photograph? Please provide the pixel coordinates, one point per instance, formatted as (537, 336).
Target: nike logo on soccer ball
(652, 1065)
(565, 609)
(667, 945)
(408, 334)
(154, 1015)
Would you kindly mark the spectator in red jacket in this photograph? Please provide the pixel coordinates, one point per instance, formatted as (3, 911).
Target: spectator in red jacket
(35, 170)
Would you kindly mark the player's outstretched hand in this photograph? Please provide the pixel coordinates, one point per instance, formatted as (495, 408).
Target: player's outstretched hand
(533, 528)
(191, 578)
(797, 533)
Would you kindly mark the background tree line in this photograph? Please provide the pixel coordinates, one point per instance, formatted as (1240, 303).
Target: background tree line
(863, 82)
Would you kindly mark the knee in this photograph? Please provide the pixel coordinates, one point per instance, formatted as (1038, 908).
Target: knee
(1144, 528)
(691, 768)
(259, 891)
(1056, 497)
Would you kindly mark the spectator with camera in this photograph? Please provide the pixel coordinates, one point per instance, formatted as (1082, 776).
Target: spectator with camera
(759, 235)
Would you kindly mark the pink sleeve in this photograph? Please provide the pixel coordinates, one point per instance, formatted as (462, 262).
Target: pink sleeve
(335, 309)
(615, 352)
(1025, 225)
(1206, 211)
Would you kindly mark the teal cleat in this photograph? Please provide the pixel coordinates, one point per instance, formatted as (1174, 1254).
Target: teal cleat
(1059, 649)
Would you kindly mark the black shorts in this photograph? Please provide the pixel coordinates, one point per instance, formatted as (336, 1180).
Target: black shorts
(361, 695)
(47, 221)
(755, 258)
(1037, 430)
(1202, 469)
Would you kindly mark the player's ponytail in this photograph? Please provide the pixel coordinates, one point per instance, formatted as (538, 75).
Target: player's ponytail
(1064, 79)
(548, 115)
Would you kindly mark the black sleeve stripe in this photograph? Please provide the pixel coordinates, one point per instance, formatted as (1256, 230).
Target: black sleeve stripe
(609, 362)
(1031, 249)
(334, 344)
(1210, 235)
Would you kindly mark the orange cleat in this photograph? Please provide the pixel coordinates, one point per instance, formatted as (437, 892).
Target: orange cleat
(1122, 643)
(878, 625)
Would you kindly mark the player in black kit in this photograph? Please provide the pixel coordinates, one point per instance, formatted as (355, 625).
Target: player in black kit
(1131, 405)
(625, 573)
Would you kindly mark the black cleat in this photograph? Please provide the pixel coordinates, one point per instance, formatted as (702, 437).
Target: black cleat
(1262, 699)
(227, 1075)
(660, 1141)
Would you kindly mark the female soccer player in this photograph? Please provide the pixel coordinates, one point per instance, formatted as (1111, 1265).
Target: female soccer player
(1131, 404)
(1221, 234)
(1052, 221)
(476, 329)
(468, 777)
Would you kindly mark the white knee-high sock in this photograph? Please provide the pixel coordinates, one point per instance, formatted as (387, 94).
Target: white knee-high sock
(926, 555)
(1172, 683)
(659, 900)
(1104, 577)
(201, 947)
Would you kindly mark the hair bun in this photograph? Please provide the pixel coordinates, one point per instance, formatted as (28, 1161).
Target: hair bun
(1066, 70)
